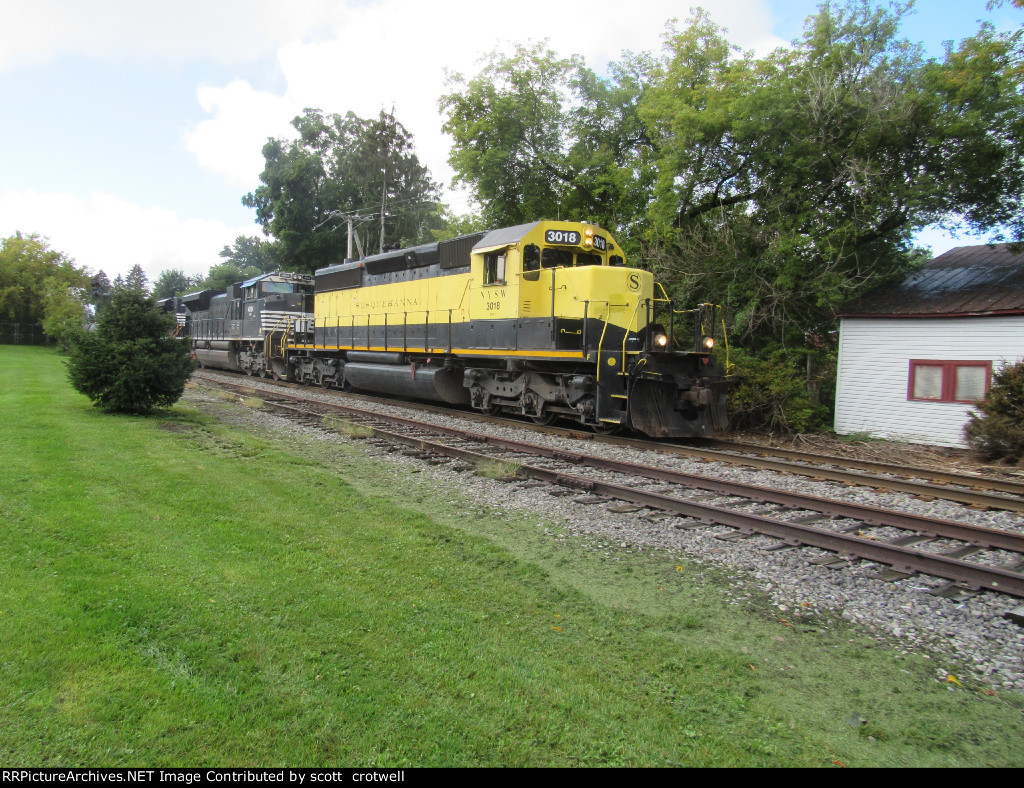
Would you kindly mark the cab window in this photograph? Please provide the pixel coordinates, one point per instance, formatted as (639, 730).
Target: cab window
(587, 259)
(494, 268)
(278, 287)
(551, 258)
(531, 258)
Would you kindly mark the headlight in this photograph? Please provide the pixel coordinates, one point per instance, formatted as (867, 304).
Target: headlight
(661, 341)
(707, 343)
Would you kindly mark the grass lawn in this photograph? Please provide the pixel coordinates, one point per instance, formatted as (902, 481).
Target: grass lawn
(179, 591)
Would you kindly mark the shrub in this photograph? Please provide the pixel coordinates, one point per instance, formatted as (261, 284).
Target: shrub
(997, 428)
(130, 363)
(773, 390)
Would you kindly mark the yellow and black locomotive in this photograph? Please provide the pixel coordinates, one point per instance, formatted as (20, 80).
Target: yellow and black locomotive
(543, 320)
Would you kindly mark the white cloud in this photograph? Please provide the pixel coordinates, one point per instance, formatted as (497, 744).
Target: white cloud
(128, 31)
(230, 143)
(394, 53)
(103, 232)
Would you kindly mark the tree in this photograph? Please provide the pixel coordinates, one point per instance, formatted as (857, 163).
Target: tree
(537, 136)
(137, 279)
(99, 292)
(227, 273)
(453, 225)
(173, 282)
(27, 267)
(341, 168)
(510, 126)
(790, 184)
(252, 252)
(130, 363)
(778, 186)
(64, 312)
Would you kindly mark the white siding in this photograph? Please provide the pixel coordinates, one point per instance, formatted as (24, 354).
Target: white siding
(874, 370)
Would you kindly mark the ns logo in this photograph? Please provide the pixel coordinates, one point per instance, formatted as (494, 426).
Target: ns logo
(633, 282)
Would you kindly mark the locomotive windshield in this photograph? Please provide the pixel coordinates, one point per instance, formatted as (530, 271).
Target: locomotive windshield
(277, 287)
(534, 258)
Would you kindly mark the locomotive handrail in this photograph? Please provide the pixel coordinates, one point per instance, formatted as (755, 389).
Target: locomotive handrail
(268, 338)
(386, 324)
(625, 336)
(600, 345)
(464, 291)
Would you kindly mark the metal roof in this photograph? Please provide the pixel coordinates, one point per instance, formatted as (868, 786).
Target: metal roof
(505, 236)
(968, 280)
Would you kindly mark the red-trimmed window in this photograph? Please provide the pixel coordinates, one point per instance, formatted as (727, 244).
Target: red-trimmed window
(948, 381)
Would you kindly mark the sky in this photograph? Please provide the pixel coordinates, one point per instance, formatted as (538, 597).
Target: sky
(131, 131)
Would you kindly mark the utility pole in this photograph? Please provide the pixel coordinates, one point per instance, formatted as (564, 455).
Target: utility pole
(387, 139)
(383, 198)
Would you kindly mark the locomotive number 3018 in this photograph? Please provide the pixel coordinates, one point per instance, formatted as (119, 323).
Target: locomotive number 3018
(569, 237)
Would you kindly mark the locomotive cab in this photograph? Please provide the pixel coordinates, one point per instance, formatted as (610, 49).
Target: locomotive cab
(584, 336)
(247, 327)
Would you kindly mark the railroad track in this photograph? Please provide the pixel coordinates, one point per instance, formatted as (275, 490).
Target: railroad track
(927, 484)
(972, 480)
(903, 544)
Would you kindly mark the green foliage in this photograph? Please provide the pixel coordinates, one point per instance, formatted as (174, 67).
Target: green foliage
(136, 280)
(227, 273)
(782, 390)
(342, 167)
(997, 429)
(781, 186)
(252, 252)
(63, 312)
(538, 136)
(510, 129)
(130, 363)
(99, 291)
(455, 225)
(173, 282)
(28, 268)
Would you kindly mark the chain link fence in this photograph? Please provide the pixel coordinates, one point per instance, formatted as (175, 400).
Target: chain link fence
(23, 334)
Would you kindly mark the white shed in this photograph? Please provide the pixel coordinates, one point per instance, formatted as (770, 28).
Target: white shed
(914, 356)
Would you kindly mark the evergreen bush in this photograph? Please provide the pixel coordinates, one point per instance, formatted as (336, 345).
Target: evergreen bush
(773, 395)
(997, 428)
(130, 363)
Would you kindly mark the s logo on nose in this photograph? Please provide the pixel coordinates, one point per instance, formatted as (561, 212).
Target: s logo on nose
(634, 282)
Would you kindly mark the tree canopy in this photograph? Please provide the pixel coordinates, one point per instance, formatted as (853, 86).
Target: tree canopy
(342, 167)
(780, 186)
(29, 268)
(172, 282)
(252, 252)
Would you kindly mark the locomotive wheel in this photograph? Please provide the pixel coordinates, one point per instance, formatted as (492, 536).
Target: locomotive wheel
(605, 429)
(544, 419)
